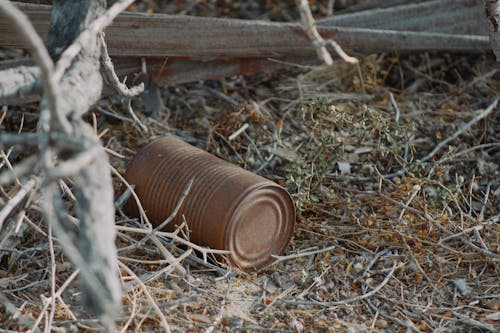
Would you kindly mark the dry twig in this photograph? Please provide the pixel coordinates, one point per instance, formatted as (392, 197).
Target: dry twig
(349, 300)
(150, 298)
(318, 42)
(484, 113)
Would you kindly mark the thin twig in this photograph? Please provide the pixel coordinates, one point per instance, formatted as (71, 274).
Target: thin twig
(130, 110)
(15, 312)
(174, 262)
(395, 106)
(132, 315)
(485, 200)
(375, 259)
(174, 237)
(16, 199)
(222, 310)
(302, 254)
(462, 129)
(308, 24)
(113, 115)
(134, 195)
(349, 300)
(238, 132)
(48, 327)
(340, 51)
(152, 301)
(6, 161)
(172, 215)
(59, 292)
(21, 169)
(171, 267)
(447, 238)
(109, 69)
(416, 189)
(123, 198)
(121, 88)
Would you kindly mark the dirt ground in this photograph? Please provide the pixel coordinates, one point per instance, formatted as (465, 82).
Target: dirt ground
(394, 169)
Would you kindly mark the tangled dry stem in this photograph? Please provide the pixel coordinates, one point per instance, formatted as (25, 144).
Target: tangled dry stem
(397, 191)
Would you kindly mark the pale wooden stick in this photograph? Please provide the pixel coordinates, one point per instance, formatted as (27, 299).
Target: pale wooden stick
(318, 42)
(163, 320)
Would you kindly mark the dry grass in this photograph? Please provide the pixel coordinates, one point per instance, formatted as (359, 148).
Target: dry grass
(392, 234)
(373, 216)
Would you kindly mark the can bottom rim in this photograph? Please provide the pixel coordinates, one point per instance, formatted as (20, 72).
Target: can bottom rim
(261, 225)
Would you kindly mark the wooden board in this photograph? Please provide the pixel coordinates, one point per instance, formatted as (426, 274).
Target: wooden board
(465, 17)
(188, 37)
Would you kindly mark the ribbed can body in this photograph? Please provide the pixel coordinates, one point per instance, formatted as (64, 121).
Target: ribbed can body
(227, 207)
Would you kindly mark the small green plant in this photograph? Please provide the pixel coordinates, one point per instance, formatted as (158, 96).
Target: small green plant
(318, 152)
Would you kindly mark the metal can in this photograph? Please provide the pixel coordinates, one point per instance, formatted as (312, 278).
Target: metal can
(227, 207)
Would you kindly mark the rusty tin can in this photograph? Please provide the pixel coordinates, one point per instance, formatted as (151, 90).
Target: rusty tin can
(227, 207)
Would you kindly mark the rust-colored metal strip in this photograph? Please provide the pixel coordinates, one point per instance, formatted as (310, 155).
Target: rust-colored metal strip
(169, 71)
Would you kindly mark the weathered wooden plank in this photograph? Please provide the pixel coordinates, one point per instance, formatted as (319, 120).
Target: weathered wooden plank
(186, 37)
(371, 4)
(445, 16)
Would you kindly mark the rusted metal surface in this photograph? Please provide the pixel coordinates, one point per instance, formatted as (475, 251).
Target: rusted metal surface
(169, 70)
(227, 208)
(198, 38)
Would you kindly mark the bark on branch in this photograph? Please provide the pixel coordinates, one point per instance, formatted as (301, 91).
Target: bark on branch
(72, 83)
(493, 18)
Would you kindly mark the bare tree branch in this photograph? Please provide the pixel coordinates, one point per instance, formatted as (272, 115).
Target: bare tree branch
(493, 18)
(70, 90)
(41, 57)
(109, 70)
(86, 36)
(19, 81)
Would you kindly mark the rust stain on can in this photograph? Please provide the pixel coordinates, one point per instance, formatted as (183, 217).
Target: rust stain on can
(227, 207)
